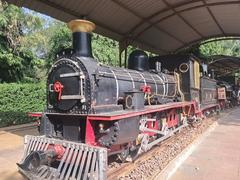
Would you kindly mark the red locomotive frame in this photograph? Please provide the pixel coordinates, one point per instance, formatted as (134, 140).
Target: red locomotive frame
(190, 109)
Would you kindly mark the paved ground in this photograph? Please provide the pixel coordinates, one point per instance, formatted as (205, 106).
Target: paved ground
(218, 156)
(11, 143)
(10, 153)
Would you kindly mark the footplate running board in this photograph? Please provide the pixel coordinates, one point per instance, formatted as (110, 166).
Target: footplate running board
(79, 161)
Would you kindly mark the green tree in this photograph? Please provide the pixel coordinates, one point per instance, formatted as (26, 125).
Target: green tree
(16, 60)
(223, 47)
(105, 50)
(59, 39)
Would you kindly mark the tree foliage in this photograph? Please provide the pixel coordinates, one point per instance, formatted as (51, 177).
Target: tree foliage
(224, 47)
(105, 50)
(16, 59)
(59, 39)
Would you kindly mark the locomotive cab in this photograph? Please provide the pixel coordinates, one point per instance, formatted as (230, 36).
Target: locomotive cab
(195, 82)
(188, 68)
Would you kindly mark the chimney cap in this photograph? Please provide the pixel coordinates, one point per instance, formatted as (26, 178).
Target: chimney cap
(80, 25)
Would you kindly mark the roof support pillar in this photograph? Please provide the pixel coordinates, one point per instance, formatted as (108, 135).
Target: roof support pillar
(123, 45)
(125, 56)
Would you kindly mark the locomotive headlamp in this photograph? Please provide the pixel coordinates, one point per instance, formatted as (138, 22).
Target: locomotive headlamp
(82, 30)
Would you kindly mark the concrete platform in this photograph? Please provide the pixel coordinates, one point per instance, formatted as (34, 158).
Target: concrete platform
(10, 153)
(217, 156)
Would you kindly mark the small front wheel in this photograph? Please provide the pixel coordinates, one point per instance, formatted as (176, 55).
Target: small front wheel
(123, 155)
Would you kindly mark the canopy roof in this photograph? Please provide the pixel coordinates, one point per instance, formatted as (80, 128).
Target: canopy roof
(224, 65)
(160, 26)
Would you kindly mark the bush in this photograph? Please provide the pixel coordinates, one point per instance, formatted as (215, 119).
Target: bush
(16, 100)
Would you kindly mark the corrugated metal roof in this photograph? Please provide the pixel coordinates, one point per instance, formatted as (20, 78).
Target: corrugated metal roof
(161, 26)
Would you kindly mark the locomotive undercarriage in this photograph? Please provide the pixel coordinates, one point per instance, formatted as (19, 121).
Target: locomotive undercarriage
(153, 129)
(125, 132)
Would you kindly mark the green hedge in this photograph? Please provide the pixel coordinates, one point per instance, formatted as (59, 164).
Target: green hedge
(16, 100)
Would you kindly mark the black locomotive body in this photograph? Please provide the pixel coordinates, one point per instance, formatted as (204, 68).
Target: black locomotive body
(80, 85)
(94, 111)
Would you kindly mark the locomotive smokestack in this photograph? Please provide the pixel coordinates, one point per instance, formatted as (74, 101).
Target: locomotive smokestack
(81, 32)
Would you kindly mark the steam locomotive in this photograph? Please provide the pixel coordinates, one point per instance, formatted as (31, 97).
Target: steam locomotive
(94, 111)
